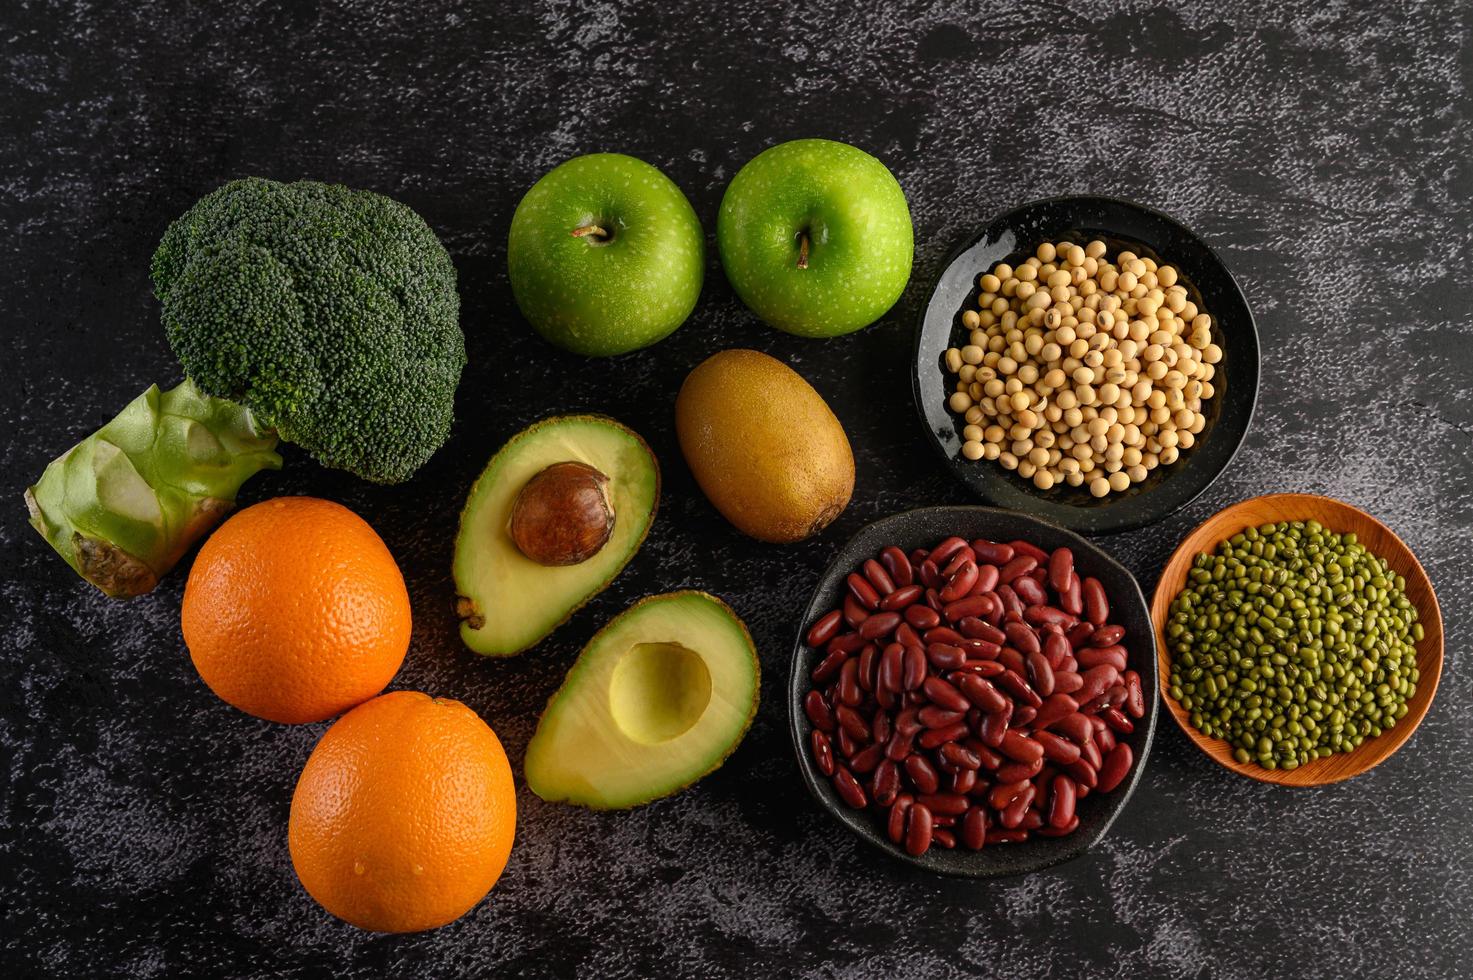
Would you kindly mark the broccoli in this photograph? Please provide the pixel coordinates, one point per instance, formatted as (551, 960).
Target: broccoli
(323, 315)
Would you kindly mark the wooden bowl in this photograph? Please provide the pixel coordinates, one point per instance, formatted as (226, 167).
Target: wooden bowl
(1380, 541)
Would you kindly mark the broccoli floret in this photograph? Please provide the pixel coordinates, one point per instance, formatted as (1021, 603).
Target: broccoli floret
(330, 313)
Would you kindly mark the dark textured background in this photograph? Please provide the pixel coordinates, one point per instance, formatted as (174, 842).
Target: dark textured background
(1325, 153)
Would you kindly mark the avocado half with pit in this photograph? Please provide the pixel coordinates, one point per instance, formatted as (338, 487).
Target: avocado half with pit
(659, 698)
(555, 516)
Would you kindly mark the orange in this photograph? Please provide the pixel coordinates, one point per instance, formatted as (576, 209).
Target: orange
(295, 611)
(404, 815)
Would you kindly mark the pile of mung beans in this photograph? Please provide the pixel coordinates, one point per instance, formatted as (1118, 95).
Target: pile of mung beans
(1292, 642)
(1082, 371)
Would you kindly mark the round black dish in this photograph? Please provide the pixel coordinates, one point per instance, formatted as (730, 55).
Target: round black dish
(1120, 224)
(923, 528)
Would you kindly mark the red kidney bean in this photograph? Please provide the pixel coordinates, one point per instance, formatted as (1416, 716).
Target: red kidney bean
(1056, 648)
(918, 829)
(900, 744)
(1012, 816)
(1002, 794)
(960, 756)
(849, 789)
(1040, 674)
(1115, 766)
(884, 785)
(946, 549)
(963, 780)
(1057, 749)
(1022, 638)
(1013, 772)
(1076, 728)
(944, 656)
(895, 825)
(1117, 720)
(890, 675)
(1017, 746)
(879, 626)
(1105, 739)
(1021, 565)
(972, 605)
(902, 598)
(981, 629)
(881, 727)
(1022, 716)
(981, 649)
(922, 774)
(853, 723)
(1064, 831)
(825, 629)
(1071, 600)
(980, 692)
(994, 726)
(944, 694)
(869, 667)
(1107, 636)
(929, 574)
(1021, 547)
(922, 617)
(1094, 656)
(907, 636)
(847, 746)
(992, 553)
(943, 634)
(1090, 752)
(818, 712)
(1135, 700)
(943, 837)
(908, 721)
(845, 643)
(1096, 681)
(828, 668)
(1067, 681)
(943, 804)
(1096, 605)
(1013, 683)
(960, 583)
(850, 692)
(823, 752)
(1032, 819)
(1054, 707)
(1061, 803)
(974, 829)
(866, 759)
(878, 577)
(1079, 634)
(1006, 836)
(862, 591)
(1061, 569)
(982, 668)
(1083, 774)
(897, 566)
(914, 674)
(935, 716)
(854, 613)
(1030, 592)
(934, 738)
(1012, 606)
(986, 579)
(1042, 615)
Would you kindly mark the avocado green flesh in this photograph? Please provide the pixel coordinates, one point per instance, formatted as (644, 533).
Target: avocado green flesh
(659, 698)
(511, 602)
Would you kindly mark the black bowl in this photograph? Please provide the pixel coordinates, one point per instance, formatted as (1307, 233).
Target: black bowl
(923, 528)
(1120, 224)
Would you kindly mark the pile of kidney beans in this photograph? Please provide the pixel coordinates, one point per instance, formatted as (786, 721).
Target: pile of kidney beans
(972, 693)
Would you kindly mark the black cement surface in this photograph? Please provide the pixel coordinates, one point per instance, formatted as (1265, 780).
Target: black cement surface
(1323, 149)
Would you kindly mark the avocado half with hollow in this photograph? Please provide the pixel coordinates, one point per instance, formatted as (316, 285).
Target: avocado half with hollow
(659, 698)
(554, 517)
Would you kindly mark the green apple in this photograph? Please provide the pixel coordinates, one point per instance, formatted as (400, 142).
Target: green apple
(605, 255)
(815, 237)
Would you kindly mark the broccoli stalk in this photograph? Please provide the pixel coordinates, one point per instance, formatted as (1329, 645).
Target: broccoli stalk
(124, 504)
(321, 315)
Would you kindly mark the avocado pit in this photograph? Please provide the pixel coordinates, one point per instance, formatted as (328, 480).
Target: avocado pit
(563, 515)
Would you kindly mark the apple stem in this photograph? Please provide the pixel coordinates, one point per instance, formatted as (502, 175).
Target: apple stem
(802, 249)
(595, 231)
